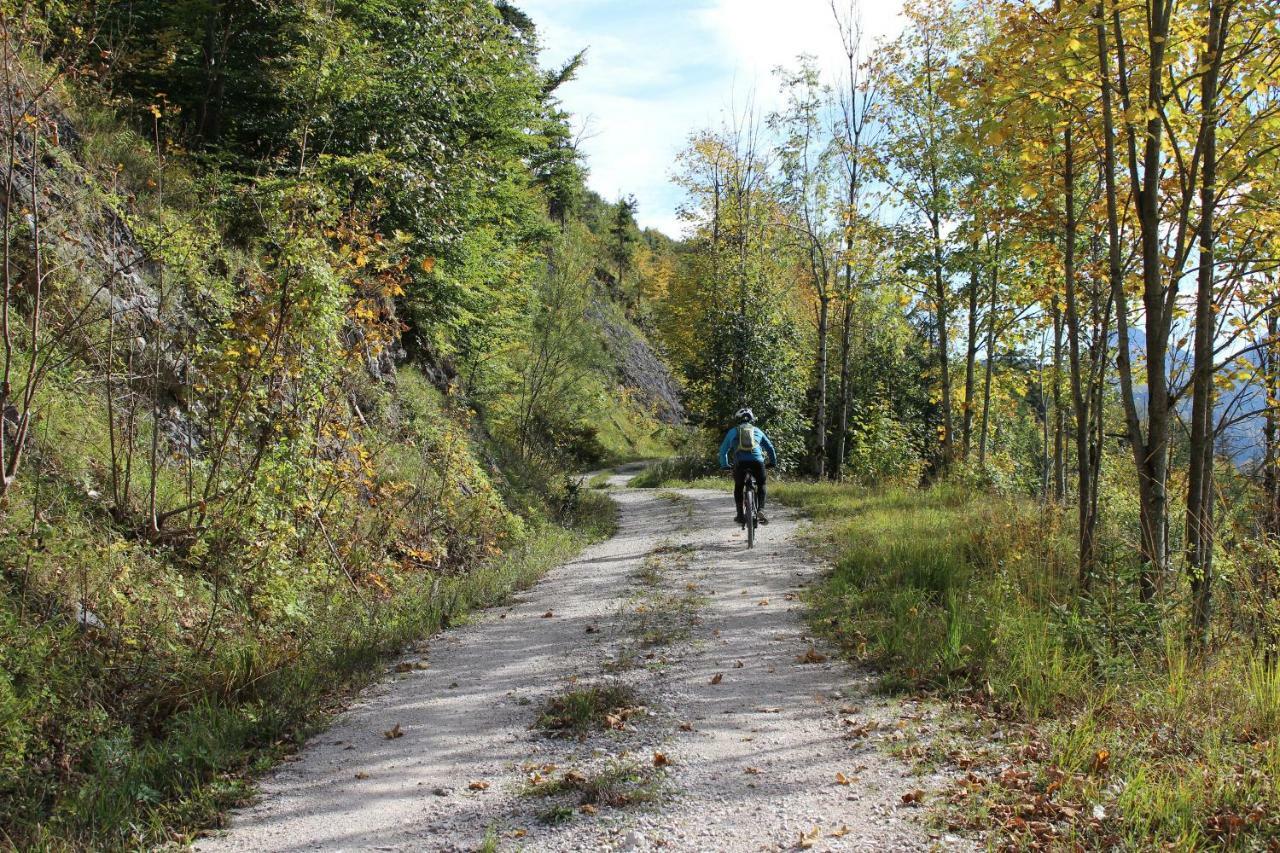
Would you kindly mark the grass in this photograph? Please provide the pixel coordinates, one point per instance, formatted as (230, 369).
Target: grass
(200, 763)
(618, 784)
(578, 712)
(676, 471)
(1114, 736)
(659, 614)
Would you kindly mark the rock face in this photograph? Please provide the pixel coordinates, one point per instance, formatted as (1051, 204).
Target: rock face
(639, 367)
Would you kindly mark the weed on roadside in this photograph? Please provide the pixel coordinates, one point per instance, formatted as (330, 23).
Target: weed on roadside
(618, 784)
(599, 707)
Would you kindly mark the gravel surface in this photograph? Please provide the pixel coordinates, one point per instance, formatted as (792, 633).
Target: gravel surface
(671, 604)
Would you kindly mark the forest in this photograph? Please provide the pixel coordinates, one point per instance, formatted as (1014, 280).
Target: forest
(312, 324)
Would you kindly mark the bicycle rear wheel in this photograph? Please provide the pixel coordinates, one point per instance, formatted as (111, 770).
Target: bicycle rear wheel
(749, 507)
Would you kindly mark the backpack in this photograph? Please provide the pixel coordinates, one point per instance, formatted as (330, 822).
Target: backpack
(747, 442)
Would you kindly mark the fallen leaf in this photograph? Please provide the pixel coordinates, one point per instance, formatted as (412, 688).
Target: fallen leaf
(587, 808)
(519, 833)
(841, 832)
(393, 732)
(478, 786)
(686, 727)
(764, 602)
(573, 777)
(841, 779)
(810, 838)
(362, 775)
(547, 615)
(717, 678)
(1100, 760)
(593, 629)
(404, 667)
(738, 664)
(811, 656)
(660, 760)
(754, 771)
(912, 797)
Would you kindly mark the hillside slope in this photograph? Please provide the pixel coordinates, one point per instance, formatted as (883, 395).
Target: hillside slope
(268, 423)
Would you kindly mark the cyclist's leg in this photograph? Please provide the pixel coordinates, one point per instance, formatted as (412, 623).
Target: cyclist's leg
(739, 479)
(757, 468)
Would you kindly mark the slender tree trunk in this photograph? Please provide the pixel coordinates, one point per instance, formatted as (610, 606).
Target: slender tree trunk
(1059, 410)
(1200, 533)
(1271, 428)
(820, 416)
(970, 361)
(1080, 396)
(1151, 504)
(944, 348)
(846, 343)
(991, 357)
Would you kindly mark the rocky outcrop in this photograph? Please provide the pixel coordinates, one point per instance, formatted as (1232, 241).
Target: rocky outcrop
(639, 367)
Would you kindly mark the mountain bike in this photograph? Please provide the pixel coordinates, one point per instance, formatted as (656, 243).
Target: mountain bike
(749, 508)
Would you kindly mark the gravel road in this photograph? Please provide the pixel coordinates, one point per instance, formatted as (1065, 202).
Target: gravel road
(760, 742)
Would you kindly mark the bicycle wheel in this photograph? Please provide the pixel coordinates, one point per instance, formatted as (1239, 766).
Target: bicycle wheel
(749, 508)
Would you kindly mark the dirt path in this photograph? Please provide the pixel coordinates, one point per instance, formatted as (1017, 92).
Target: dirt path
(671, 604)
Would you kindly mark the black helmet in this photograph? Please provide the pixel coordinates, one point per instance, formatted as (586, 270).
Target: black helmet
(745, 415)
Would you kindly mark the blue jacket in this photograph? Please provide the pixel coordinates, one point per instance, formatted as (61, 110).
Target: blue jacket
(730, 445)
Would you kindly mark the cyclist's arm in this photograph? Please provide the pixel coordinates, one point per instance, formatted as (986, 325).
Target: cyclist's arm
(768, 447)
(729, 438)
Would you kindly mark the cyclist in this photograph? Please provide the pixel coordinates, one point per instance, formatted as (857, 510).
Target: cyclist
(748, 445)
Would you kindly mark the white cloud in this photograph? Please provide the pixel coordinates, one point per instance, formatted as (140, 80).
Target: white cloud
(659, 70)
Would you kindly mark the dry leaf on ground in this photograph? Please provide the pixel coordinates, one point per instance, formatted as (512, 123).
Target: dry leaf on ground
(717, 678)
(811, 656)
(393, 732)
(478, 785)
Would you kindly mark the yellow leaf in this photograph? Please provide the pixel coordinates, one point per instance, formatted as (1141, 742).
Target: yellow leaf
(428, 264)
(841, 779)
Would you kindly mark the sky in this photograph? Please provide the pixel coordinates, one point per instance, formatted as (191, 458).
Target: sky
(659, 70)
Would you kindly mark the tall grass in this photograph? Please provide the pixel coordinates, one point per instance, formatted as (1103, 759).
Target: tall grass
(970, 595)
(144, 788)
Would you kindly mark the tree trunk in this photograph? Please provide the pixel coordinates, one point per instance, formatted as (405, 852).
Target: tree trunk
(1200, 533)
(1080, 400)
(944, 366)
(846, 343)
(1059, 411)
(820, 416)
(970, 360)
(1145, 454)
